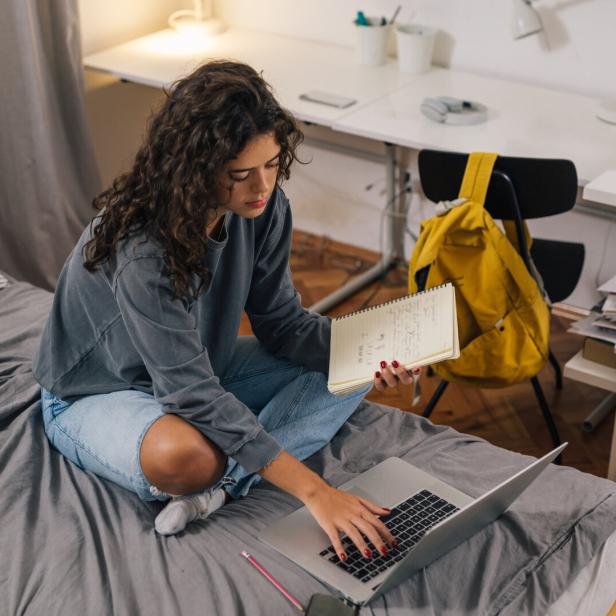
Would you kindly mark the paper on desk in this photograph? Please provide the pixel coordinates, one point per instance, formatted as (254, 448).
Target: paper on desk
(586, 327)
(609, 286)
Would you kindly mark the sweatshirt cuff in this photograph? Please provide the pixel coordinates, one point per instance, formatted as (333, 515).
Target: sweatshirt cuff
(257, 452)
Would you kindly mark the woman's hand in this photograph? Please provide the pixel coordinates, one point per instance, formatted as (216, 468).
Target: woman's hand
(339, 512)
(334, 510)
(391, 375)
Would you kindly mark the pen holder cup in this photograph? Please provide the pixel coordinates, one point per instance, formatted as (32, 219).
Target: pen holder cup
(415, 47)
(372, 43)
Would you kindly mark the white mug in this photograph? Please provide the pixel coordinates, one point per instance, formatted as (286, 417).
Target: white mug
(415, 46)
(372, 43)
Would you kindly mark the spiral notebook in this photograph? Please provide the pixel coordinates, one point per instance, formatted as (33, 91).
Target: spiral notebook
(415, 330)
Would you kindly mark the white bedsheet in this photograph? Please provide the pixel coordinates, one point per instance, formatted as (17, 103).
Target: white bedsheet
(593, 592)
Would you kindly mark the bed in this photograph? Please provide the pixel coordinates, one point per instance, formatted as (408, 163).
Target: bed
(72, 543)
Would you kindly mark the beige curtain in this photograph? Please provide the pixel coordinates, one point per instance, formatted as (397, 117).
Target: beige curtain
(48, 174)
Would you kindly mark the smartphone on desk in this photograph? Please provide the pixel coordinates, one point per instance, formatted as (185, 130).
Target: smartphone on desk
(328, 605)
(327, 98)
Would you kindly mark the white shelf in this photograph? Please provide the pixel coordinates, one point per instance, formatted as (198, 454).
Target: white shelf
(602, 189)
(590, 372)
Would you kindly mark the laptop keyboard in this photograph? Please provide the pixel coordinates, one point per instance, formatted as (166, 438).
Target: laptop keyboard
(408, 522)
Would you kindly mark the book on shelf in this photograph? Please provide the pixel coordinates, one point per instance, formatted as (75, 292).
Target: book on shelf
(599, 351)
(599, 328)
(416, 330)
(589, 327)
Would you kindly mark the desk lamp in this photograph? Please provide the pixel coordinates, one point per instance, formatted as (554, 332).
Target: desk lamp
(525, 19)
(196, 22)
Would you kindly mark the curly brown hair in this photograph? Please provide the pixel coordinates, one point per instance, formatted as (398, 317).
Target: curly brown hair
(170, 192)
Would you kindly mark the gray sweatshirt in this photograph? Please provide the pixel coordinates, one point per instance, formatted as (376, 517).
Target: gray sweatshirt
(119, 328)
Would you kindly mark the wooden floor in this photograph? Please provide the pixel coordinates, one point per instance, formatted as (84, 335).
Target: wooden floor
(509, 417)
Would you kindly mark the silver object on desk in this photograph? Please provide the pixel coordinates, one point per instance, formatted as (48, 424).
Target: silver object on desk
(455, 111)
(328, 98)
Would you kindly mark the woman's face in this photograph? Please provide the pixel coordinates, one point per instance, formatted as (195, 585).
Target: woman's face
(249, 179)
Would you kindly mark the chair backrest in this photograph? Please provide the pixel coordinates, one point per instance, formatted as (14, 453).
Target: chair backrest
(541, 187)
(544, 186)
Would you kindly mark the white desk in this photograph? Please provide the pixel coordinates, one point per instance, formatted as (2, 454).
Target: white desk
(583, 370)
(602, 189)
(291, 66)
(523, 120)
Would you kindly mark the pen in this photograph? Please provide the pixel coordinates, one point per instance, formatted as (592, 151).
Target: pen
(391, 21)
(261, 570)
(361, 19)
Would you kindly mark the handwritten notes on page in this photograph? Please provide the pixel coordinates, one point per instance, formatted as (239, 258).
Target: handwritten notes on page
(416, 330)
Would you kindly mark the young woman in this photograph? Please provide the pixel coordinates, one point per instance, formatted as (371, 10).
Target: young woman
(145, 381)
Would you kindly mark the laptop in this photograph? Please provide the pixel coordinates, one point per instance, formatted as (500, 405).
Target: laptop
(428, 517)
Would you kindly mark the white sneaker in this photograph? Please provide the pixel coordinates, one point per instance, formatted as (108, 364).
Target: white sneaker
(181, 510)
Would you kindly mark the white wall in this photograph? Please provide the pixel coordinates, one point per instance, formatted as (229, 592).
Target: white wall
(110, 22)
(329, 196)
(575, 54)
(117, 111)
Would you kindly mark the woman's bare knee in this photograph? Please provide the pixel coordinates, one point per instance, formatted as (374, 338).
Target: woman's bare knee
(178, 459)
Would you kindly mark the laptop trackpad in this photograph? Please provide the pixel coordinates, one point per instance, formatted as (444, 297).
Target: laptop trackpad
(353, 489)
(390, 482)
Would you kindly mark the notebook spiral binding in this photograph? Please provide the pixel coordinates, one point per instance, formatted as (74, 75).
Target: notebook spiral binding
(392, 301)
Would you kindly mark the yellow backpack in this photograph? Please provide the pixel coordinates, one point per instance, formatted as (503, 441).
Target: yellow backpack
(503, 318)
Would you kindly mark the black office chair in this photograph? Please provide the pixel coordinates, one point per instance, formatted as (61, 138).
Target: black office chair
(520, 189)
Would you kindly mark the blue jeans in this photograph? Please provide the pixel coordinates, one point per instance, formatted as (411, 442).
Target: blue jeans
(103, 433)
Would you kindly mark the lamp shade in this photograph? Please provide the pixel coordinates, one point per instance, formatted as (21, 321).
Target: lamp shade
(525, 20)
(197, 22)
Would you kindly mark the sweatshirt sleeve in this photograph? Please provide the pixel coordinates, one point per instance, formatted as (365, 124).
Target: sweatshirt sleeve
(274, 306)
(165, 335)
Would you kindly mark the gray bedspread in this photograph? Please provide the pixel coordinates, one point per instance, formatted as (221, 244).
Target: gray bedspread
(71, 543)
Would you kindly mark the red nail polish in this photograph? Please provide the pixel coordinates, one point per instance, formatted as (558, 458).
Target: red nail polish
(395, 364)
(343, 556)
(383, 364)
(386, 508)
(384, 551)
(395, 543)
(368, 553)
(377, 374)
(416, 370)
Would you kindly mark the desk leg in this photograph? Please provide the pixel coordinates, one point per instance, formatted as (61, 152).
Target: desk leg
(357, 283)
(394, 246)
(600, 412)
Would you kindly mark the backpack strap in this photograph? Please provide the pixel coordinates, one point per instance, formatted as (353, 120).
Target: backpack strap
(477, 176)
(475, 188)
(512, 233)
